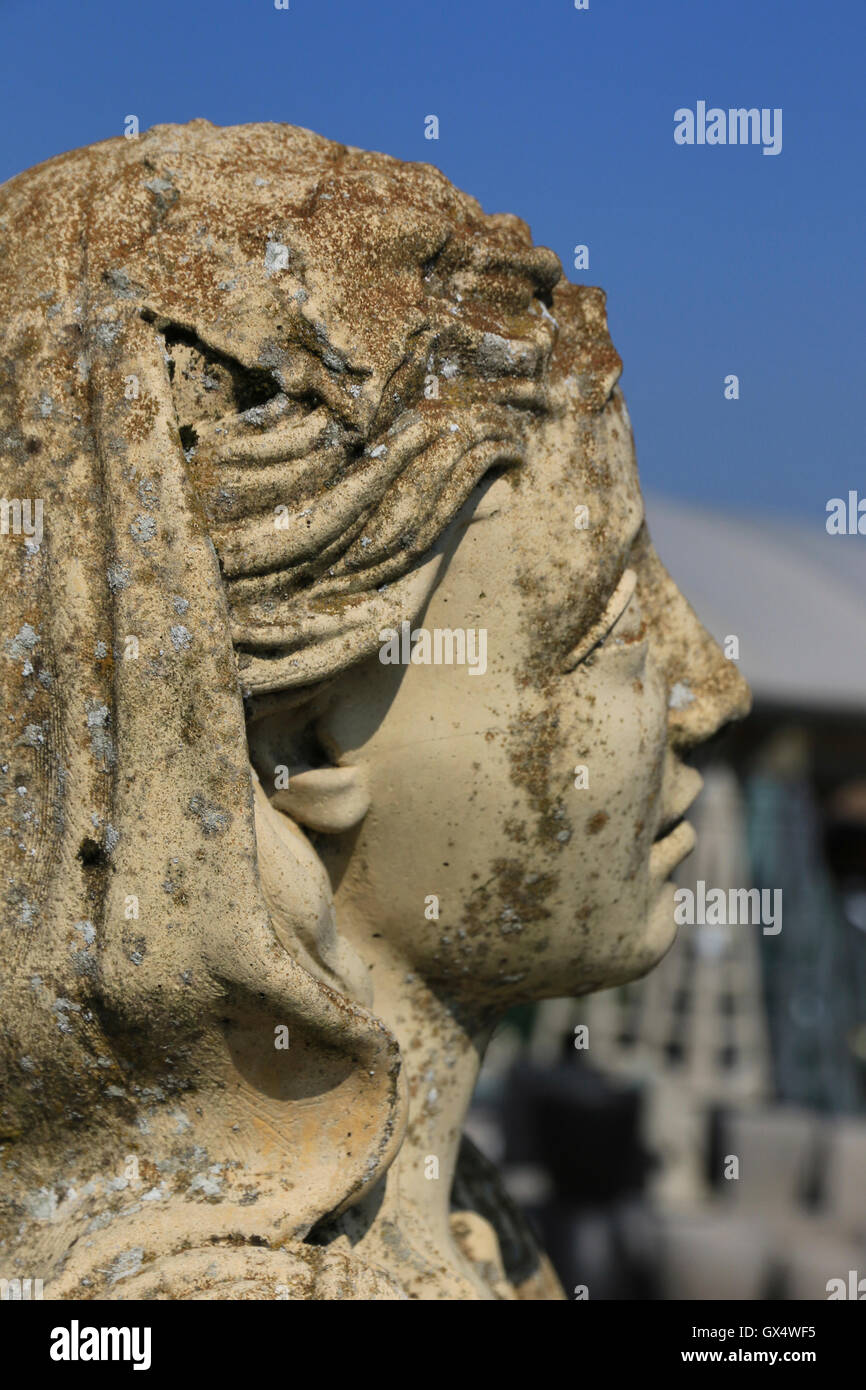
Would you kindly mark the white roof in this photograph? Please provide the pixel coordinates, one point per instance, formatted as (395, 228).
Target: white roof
(794, 595)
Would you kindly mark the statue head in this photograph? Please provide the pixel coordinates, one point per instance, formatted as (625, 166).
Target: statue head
(344, 685)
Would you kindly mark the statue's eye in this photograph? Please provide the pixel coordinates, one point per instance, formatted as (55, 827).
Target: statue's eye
(617, 605)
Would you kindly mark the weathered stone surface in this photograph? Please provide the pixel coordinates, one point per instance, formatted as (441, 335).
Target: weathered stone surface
(258, 382)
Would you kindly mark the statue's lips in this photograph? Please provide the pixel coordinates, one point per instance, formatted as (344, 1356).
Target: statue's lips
(670, 848)
(668, 825)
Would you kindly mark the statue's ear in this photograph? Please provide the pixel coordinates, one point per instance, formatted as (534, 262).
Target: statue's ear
(297, 889)
(327, 799)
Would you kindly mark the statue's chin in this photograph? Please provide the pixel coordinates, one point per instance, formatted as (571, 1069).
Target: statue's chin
(652, 941)
(661, 929)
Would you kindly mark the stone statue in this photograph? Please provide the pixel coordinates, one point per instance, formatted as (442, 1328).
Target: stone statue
(344, 707)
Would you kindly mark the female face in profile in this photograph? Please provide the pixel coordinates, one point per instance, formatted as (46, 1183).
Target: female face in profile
(499, 792)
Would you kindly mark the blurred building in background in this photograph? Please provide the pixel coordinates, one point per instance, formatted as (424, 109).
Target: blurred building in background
(710, 1141)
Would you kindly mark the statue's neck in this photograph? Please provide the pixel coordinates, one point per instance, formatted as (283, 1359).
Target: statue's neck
(405, 1222)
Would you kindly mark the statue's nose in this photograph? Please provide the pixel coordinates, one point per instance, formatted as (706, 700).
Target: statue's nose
(705, 688)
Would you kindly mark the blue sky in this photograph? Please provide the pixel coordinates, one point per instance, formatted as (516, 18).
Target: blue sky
(715, 259)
